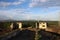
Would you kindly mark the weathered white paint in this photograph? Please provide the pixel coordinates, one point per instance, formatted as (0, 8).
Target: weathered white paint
(11, 26)
(42, 25)
(20, 25)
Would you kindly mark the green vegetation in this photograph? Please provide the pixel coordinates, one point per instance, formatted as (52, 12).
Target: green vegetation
(5, 25)
(33, 23)
(29, 24)
(49, 23)
(52, 23)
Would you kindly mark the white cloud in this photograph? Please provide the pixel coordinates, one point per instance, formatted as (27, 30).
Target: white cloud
(22, 14)
(36, 2)
(15, 13)
(44, 0)
(5, 4)
(44, 3)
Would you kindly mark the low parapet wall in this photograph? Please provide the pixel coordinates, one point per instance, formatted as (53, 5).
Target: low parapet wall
(9, 35)
(55, 30)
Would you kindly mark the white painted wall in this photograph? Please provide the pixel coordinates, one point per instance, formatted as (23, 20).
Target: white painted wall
(41, 25)
(20, 25)
(11, 26)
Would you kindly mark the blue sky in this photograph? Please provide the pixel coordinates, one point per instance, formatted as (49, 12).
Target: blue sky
(30, 9)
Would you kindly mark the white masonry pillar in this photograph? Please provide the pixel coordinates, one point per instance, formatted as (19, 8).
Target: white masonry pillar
(42, 25)
(20, 25)
(11, 26)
